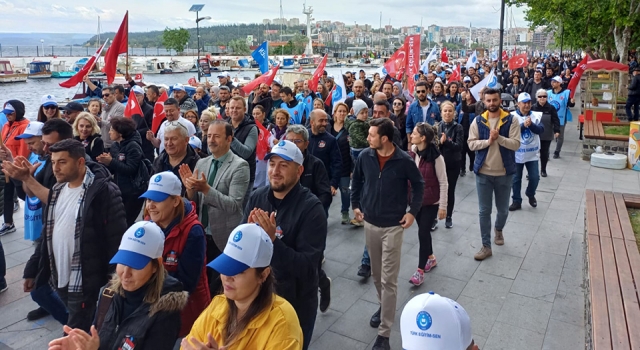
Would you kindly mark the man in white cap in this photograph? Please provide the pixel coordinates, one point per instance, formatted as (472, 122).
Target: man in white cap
(432, 322)
(528, 153)
(559, 97)
(186, 102)
(298, 231)
(224, 79)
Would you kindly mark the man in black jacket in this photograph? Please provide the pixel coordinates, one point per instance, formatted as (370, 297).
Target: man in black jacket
(245, 138)
(324, 146)
(634, 96)
(84, 222)
(379, 198)
(144, 122)
(298, 232)
(359, 94)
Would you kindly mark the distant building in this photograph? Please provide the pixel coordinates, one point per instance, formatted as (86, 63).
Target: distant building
(266, 21)
(294, 22)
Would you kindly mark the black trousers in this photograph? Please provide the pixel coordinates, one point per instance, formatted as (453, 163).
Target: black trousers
(132, 207)
(9, 198)
(472, 157)
(81, 307)
(544, 154)
(425, 218)
(453, 171)
(215, 284)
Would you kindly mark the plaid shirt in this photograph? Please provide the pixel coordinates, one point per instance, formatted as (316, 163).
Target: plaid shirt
(75, 278)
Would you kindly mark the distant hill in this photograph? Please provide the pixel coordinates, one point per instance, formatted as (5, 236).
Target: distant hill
(10, 39)
(209, 36)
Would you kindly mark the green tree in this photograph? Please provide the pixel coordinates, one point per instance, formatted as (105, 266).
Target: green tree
(239, 46)
(175, 39)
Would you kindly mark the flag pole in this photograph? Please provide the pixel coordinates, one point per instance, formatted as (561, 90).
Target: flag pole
(126, 67)
(97, 58)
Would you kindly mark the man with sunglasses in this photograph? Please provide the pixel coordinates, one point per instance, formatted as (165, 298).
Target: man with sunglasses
(551, 125)
(422, 109)
(111, 108)
(495, 137)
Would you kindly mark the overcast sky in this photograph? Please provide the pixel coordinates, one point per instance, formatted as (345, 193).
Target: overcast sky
(73, 16)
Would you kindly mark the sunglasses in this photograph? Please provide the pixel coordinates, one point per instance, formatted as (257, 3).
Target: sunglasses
(447, 73)
(106, 95)
(421, 91)
(545, 96)
(50, 107)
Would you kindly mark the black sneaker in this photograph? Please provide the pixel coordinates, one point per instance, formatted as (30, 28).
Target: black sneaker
(382, 343)
(533, 202)
(448, 223)
(364, 270)
(463, 173)
(37, 314)
(325, 295)
(6, 229)
(434, 226)
(515, 206)
(556, 155)
(543, 173)
(375, 319)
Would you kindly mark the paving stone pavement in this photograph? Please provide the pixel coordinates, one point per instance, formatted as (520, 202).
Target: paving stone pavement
(529, 295)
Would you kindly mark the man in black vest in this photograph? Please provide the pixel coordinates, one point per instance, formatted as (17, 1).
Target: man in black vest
(245, 137)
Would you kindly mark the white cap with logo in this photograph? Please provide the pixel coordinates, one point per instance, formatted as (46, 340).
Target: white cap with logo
(138, 90)
(33, 129)
(141, 243)
(524, 97)
(248, 246)
(286, 150)
(195, 142)
(48, 100)
(430, 321)
(557, 79)
(163, 185)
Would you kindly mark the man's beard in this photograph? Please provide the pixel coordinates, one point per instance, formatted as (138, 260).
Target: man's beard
(493, 109)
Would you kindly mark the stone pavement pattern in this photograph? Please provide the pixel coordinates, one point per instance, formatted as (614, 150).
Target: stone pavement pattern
(529, 295)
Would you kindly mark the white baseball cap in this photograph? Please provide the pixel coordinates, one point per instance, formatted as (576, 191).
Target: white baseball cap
(557, 79)
(467, 78)
(195, 142)
(178, 87)
(163, 185)
(33, 129)
(224, 75)
(286, 150)
(248, 246)
(138, 90)
(48, 100)
(524, 97)
(430, 321)
(141, 243)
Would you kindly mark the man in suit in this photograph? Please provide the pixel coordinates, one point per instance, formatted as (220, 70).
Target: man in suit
(217, 185)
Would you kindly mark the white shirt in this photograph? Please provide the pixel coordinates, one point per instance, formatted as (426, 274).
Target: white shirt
(425, 110)
(64, 229)
(191, 129)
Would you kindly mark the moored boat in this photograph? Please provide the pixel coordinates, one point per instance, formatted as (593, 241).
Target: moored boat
(8, 75)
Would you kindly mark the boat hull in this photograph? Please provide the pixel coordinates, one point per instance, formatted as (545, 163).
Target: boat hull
(60, 75)
(13, 78)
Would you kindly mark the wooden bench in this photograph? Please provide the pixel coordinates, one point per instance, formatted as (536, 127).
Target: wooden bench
(595, 130)
(612, 272)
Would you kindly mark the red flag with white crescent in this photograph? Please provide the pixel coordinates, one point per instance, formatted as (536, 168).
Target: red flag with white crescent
(455, 76)
(266, 78)
(262, 147)
(397, 61)
(86, 69)
(443, 55)
(133, 107)
(192, 81)
(158, 112)
(518, 61)
(577, 74)
(505, 56)
(313, 82)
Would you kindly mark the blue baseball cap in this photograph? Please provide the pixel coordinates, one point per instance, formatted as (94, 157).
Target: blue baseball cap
(48, 100)
(248, 246)
(524, 97)
(33, 129)
(141, 243)
(8, 109)
(288, 151)
(163, 185)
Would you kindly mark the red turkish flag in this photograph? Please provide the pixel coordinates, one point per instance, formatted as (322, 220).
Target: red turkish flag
(262, 147)
(518, 61)
(456, 74)
(119, 45)
(313, 82)
(443, 55)
(158, 112)
(133, 107)
(395, 64)
(505, 56)
(329, 99)
(266, 78)
(138, 77)
(577, 74)
(86, 69)
(412, 65)
(192, 81)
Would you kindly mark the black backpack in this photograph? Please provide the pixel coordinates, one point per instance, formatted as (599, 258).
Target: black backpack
(145, 171)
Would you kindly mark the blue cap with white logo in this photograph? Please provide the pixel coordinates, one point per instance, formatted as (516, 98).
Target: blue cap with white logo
(248, 246)
(141, 243)
(286, 150)
(163, 185)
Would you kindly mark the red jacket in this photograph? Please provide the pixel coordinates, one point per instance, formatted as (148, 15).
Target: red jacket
(9, 131)
(173, 246)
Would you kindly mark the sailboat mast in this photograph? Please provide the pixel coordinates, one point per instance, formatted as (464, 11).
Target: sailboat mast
(98, 42)
(281, 20)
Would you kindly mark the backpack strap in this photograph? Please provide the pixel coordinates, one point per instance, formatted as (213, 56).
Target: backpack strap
(106, 297)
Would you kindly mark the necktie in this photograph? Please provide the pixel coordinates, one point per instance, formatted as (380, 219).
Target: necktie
(215, 164)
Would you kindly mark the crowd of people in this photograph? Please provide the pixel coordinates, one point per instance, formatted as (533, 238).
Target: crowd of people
(210, 233)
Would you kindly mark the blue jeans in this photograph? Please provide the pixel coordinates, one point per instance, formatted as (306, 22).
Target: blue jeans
(487, 186)
(345, 194)
(49, 300)
(366, 260)
(534, 178)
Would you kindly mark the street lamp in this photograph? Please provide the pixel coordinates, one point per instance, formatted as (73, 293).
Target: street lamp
(42, 42)
(196, 9)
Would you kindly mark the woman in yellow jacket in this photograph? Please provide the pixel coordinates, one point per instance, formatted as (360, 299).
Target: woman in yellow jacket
(249, 315)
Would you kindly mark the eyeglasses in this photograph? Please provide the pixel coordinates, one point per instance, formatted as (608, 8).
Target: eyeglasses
(545, 96)
(50, 107)
(421, 91)
(447, 73)
(296, 141)
(106, 95)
